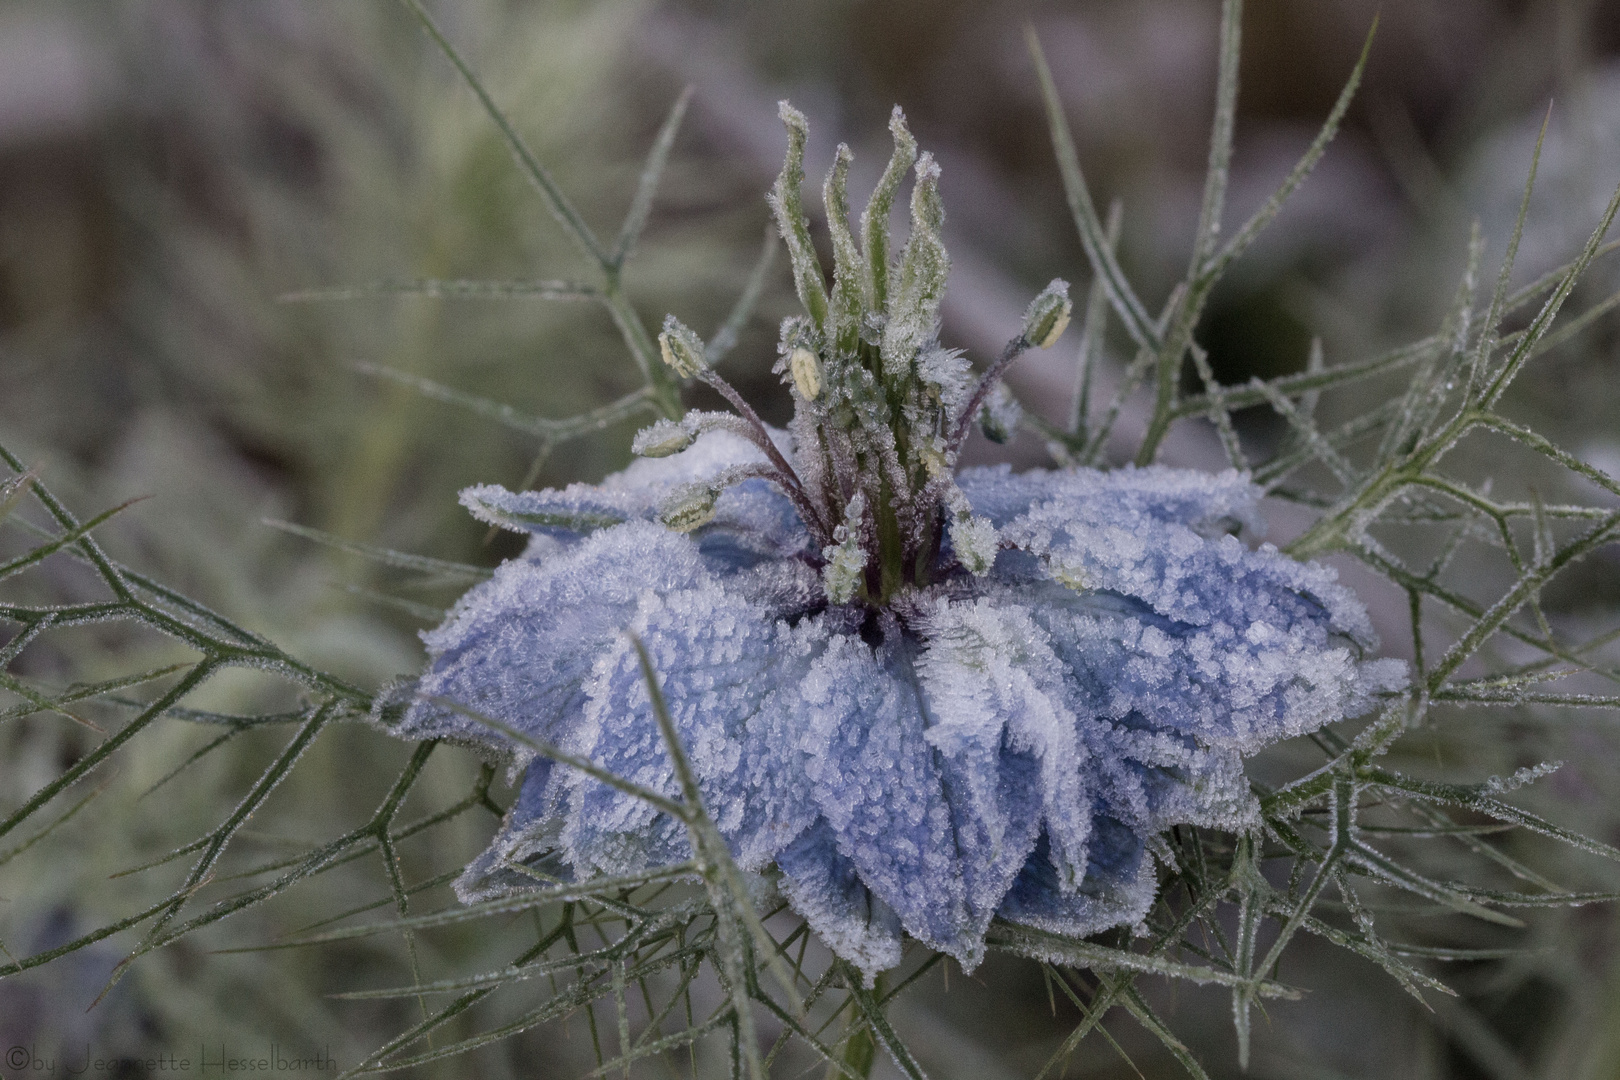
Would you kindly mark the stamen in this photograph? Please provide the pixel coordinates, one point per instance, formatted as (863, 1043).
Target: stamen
(789, 479)
(806, 373)
(964, 420)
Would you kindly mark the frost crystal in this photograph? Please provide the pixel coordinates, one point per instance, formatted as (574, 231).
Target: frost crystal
(927, 699)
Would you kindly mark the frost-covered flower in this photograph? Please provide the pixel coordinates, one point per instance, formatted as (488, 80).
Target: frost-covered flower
(927, 698)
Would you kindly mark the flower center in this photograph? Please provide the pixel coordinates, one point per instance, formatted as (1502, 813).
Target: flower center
(880, 407)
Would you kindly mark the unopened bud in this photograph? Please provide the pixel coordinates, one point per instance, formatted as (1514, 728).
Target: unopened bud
(806, 371)
(682, 350)
(1048, 315)
(662, 439)
(689, 507)
(1000, 415)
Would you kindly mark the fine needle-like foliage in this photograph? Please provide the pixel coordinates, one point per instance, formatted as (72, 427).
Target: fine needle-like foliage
(699, 960)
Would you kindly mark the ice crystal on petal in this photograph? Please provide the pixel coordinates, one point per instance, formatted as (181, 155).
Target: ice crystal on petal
(927, 699)
(730, 674)
(874, 778)
(577, 509)
(973, 542)
(1117, 890)
(996, 693)
(820, 881)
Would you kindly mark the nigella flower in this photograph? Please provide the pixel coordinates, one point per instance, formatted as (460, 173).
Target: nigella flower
(927, 698)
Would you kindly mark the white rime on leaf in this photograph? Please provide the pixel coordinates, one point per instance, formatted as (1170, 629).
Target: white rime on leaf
(846, 559)
(973, 540)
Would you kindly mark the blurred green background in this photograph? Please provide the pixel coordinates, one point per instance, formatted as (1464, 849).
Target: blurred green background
(169, 169)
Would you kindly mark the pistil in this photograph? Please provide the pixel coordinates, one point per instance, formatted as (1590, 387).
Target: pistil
(880, 409)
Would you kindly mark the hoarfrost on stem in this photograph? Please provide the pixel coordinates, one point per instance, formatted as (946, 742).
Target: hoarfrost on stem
(927, 698)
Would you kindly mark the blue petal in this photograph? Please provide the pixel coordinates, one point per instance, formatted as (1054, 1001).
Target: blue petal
(1009, 752)
(753, 521)
(824, 887)
(1185, 496)
(577, 509)
(710, 454)
(876, 782)
(1235, 648)
(529, 829)
(1118, 889)
(520, 647)
(1155, 779)
(730, 674)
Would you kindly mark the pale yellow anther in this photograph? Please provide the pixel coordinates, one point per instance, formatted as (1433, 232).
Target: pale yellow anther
(689, 507)
(935, 461)
(1068, 576)
(1060, 324)
(806, 372)
(1048, 315)
(681, 349)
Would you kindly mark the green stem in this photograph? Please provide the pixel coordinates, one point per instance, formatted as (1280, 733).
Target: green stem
(860, 1046)
(891, 546)
(859, 1054)
(665, 391)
